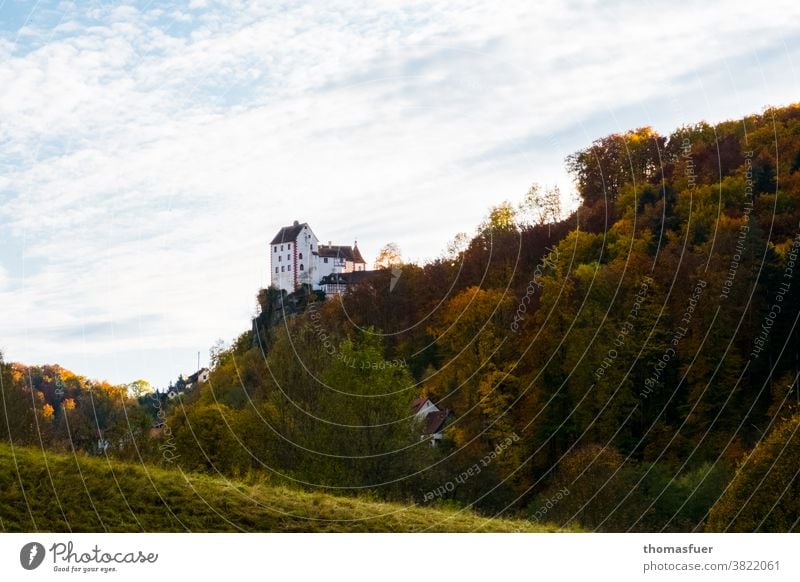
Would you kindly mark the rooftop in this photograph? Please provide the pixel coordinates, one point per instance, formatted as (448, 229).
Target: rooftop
(288, 233)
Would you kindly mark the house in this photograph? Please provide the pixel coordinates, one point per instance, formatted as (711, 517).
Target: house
(337, 283)
(297, 258)
(432, 419)
(197, 378)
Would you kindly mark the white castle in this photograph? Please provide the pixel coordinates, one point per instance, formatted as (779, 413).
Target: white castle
(297, 258)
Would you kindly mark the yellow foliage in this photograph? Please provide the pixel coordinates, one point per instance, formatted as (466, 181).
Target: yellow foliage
(47, 412)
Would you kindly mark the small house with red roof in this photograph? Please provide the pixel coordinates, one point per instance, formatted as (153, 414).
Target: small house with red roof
(432, 420)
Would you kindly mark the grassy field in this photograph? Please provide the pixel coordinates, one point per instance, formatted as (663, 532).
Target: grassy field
(59, 493)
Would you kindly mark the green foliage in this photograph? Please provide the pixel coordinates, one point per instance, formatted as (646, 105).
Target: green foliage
(615, 347)
(66, 493)
(765, 493)
(601, 490)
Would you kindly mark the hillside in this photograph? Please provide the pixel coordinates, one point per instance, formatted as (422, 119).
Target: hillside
(633, 353)
(92, 494)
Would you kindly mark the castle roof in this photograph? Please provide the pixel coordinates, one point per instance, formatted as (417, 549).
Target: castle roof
(352, 278)
(347, 253)
(288, 233)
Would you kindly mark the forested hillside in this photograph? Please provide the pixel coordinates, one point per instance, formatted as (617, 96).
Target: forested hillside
(615, 367)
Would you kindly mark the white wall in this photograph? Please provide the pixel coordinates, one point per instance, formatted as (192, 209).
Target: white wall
(285, 257)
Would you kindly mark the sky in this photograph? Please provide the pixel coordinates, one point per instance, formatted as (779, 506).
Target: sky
(149, 151)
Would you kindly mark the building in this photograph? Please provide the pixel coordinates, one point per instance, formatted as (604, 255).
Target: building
(431, 419)
(198, 377)
(337, 283)
(297, 258)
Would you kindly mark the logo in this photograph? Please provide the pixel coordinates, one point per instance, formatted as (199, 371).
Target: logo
(31, 555)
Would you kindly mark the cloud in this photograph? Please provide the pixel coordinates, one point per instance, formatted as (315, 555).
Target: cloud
(149, 155)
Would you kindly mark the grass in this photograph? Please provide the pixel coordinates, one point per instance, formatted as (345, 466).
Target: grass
(61, 493)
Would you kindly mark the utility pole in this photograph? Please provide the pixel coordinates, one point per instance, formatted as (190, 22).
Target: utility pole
(198, 360)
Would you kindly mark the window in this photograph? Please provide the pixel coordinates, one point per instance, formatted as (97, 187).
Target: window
(300, 255)
(289, 246)
(279, 258)
(281, 247)
(301, 266)
(288, 267)
(276, 269)
(288, 257)
(275, 249)
(326, 260)
(282, 268)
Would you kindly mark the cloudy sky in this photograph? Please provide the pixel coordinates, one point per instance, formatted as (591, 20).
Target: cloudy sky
(150, 150)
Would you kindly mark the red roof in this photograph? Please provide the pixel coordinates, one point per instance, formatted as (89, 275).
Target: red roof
(435, 421)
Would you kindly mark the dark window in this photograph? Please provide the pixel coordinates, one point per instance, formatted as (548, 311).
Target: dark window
(289, 246)
(282, 268)
(301, 266)
(326, 260)
(288, 267)
(274, 249)
(300, 255)
(281, 247)
(276, 269)
(280, 258)
(288, 257)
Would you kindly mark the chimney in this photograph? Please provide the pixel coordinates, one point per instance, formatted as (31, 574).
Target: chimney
(296, 223)
(329, 244)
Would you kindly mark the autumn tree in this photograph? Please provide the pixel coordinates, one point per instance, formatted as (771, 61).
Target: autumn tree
(389, 257)
(603, 168)
(542, 205)
(139, 388)
(765, 493)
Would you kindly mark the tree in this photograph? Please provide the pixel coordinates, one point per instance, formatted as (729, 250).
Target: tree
(502, 218)
(139, 388)
(389, 257)
(17, 416)
(765, 492)
(601, 169)
(542, 204)
(366, 407)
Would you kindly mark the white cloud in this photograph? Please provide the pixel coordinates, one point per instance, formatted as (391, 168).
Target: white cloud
(148, 156)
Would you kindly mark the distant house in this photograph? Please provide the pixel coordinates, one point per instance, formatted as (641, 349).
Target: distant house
(297, 258)
(197, 378)
(432, 420)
